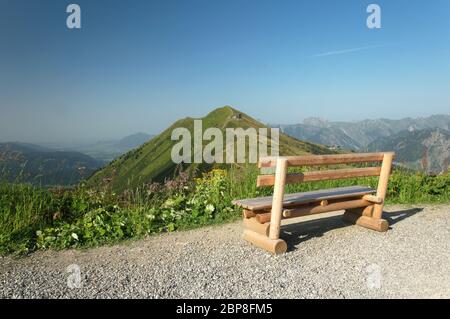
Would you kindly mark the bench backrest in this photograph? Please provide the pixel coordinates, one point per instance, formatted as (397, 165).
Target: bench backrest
(312, 160)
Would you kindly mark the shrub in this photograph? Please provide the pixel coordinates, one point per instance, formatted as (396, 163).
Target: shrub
(187, 205)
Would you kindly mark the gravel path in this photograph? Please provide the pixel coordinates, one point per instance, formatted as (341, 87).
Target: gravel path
(325, 259)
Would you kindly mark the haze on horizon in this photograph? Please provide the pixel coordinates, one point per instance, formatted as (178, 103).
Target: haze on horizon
(138, 66)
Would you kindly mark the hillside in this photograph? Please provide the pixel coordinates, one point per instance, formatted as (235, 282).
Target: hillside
(44, 166)
(152, 161)
(358, 135)
(426, 150)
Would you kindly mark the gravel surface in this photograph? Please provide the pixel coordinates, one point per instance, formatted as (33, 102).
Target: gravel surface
(326, 259)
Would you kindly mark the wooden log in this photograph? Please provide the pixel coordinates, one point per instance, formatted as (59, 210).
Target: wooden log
(364, 211)
(248, 213)
(377, 224)
(274, 246)
(367, 211)
(277, 202)
(304, 211)
(259, 228)
(316, 209)
(373, 199)
(263, 218)
(308, 160)
(268, 180)
(386, 167)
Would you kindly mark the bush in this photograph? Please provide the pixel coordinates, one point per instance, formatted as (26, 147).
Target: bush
(188, 205)
(95, 227)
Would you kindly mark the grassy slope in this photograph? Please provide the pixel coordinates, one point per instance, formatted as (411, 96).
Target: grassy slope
(152, 161)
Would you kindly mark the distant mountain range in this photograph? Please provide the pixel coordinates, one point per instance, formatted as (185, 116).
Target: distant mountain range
(420, 144)
(152, 161)
(106, 151)
(21, 162)
(408, 137)
(425, 150)
(358, 135)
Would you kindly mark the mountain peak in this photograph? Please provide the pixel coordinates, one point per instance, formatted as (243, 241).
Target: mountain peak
(223, 111)
(152, 161)
(316, 121)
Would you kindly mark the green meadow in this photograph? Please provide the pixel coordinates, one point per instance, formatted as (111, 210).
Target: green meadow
(33, 218)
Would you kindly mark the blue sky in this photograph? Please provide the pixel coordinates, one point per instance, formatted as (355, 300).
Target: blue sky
(140, 65)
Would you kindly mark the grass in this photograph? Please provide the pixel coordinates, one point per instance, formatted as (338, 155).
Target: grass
(36, 218)
(23, 209)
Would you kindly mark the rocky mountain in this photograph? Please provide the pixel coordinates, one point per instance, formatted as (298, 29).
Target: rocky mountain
(425, 150)
(152, 161)
(414, 140)
(358, 135)
(21, 162)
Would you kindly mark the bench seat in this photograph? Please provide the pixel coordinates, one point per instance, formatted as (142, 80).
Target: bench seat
(290, 200)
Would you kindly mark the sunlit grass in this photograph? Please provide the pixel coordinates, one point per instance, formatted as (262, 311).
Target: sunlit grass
(33, 217)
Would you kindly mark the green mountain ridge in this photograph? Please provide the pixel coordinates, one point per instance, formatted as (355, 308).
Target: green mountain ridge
(152, 161)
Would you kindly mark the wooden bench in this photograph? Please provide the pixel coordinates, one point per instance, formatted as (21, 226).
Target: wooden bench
(363, 205)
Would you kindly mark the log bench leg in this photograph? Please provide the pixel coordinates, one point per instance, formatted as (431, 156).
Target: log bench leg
(363, 211)
(254, 225)
(258, 234)
(373, 219)
(274, 246)
(363, 217)
(277, 199)
(268, 236)
(248, 213)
